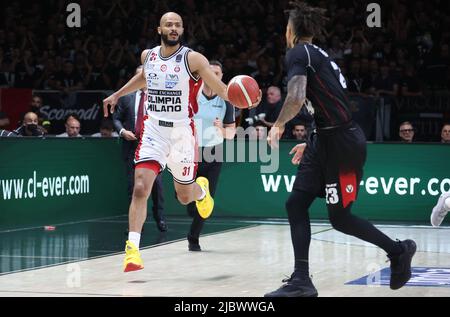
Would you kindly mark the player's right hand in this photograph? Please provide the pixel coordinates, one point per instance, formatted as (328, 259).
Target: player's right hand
(112, 101)
(256, 103)
(128, 135)
(298, 153)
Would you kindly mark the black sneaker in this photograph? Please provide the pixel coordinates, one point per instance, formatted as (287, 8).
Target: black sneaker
(401, 264)
(295, 287)
(193, 244)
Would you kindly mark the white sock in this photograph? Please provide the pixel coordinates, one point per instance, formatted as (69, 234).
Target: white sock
(203, 195)
(135, 238)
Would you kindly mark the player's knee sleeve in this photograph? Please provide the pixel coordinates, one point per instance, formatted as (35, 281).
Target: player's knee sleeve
(298, 204)
(292, 204)
(340, 219)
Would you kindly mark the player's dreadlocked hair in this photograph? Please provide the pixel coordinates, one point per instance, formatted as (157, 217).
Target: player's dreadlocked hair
(306, 21)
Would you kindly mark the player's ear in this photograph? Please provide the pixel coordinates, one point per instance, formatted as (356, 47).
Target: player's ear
(159, 30)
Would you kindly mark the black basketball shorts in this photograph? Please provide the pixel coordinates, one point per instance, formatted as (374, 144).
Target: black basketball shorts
(332, 165)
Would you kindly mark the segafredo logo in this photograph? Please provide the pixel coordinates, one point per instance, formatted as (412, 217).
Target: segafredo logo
(60, 114)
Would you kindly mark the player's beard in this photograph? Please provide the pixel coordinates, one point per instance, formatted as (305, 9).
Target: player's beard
(167, 42)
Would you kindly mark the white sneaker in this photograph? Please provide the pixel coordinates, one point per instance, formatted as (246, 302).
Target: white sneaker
(440, 210)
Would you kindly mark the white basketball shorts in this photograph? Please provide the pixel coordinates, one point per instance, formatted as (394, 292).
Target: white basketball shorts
(170, 144)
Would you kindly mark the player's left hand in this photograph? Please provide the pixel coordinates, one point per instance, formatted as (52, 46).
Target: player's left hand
(274, 136)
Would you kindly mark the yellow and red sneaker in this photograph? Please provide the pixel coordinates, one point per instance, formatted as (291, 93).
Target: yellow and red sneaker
(133, 261)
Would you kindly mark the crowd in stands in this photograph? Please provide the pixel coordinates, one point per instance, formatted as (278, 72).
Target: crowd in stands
(407, 57)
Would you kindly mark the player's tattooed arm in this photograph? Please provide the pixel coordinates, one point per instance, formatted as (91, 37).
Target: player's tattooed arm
(294, 101)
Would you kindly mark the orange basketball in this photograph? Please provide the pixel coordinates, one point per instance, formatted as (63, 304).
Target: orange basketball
(243, 91)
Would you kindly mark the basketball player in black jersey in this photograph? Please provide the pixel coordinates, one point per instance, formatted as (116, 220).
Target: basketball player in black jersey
(331, 163)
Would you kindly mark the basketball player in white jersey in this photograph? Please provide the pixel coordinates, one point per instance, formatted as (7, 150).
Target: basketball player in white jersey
(173, 75)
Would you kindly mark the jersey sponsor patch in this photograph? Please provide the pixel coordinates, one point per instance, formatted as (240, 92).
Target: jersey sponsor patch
(348, 187)
(171, 81)
(152, 80)
(170, 84)
(164, 92)
(172, 77)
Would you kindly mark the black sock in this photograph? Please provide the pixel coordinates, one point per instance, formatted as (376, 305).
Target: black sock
(297, 207)
(301, 268)
(192, 239)
(344, 221)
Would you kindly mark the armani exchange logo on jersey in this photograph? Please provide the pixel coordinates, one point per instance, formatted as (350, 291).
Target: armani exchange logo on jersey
(164, 101)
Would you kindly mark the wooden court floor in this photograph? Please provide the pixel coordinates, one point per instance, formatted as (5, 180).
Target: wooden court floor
(240, 258)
